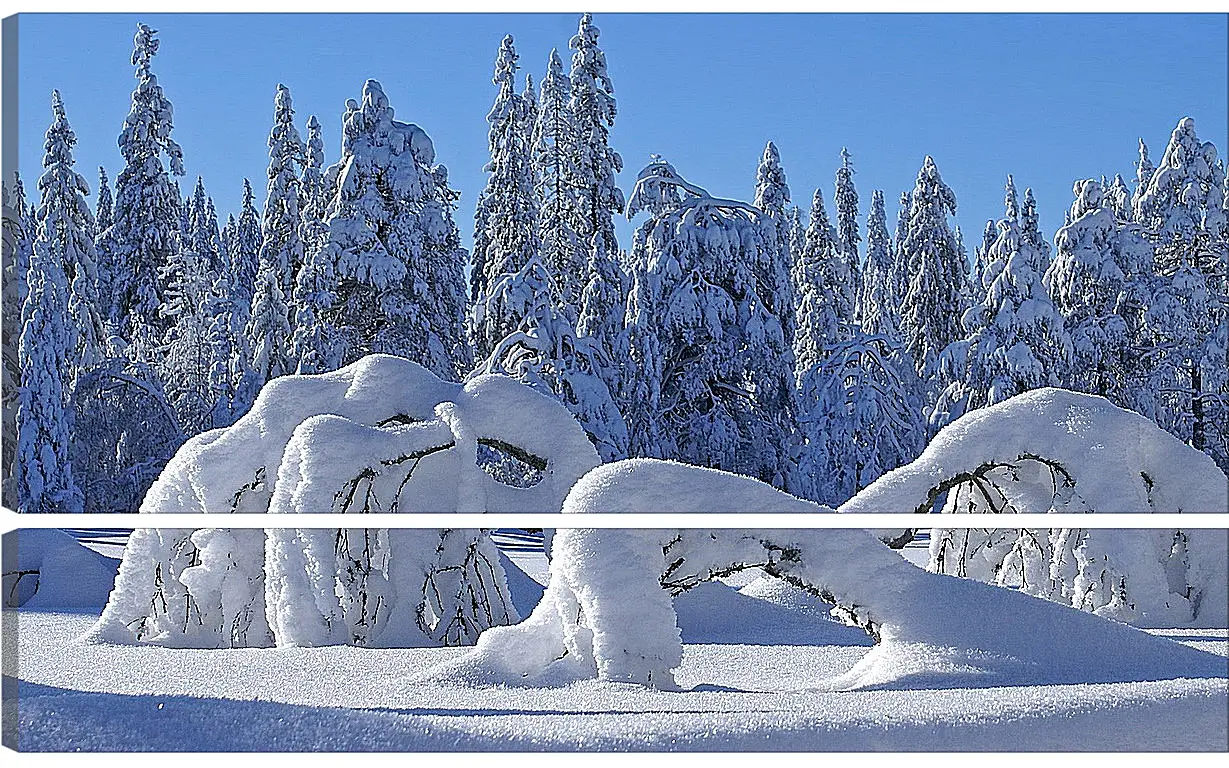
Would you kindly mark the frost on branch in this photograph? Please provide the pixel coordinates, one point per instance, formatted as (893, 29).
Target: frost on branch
(608, 612)
(380, 435)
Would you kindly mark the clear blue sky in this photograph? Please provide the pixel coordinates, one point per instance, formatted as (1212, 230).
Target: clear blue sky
(1049, 98)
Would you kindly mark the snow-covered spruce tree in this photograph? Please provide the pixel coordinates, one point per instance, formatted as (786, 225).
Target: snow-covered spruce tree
(602, 316)
(818, 275)
(1085, 282)
(510, 230)
(1030, 229)
(18, 242)
(861, 416)
(243, 257)
(282, 247)
(145, 233)
(392, 248)
(981, 256)
(185, 362)
(1184, 331)
(105, 215)
(66, 227)
(878, 305)
(593, 109)
(1118, 197)
(722, 380)
(774, 278)
(900, 265)
(546, 353)
(847, 229)
(930, 309)
(1143, 177)
(43, 469)
(314, 195)
(555, 167)
(1015, 339)
(268, 330)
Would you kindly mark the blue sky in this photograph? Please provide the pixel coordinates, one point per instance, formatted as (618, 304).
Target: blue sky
(1048, 98)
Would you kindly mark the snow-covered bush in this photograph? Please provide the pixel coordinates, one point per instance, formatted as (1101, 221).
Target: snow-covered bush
(608, 612)
(52, 570)
(380, 435)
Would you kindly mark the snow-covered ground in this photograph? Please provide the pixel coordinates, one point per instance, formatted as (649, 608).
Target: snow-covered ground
(739, 693)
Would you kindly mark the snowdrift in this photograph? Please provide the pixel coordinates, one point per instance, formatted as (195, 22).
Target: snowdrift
(52, 570)
(608, 611)
(1088, 454)
(380, 435)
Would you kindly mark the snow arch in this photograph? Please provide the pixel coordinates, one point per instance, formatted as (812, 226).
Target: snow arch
(380, 435)
(1052, 450)
(608, 611)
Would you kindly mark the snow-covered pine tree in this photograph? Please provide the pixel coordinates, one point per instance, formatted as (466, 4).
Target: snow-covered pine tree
(18, 242)
(282, 246)
(548, 355)
(1143, 176)
(930, 309)
(312, 280)
(721, 383)
(602, 311)
(1014, 338)
(1086, 282)
(818, 274)
(593, 109)
(65, 230)
(510, 227)
(268, 330)
(860, 415)
(774, 278)
(105, 212)
(48, 342)
(1119, 198)
(900, 266)
(878, 306)
(314, 197)
(225, 237)
(981, 256)
(244, 264)
(145, 233)
(1030, 229)
(186, 362)
(554, 160)
(393, 250)
(1182, 213)
(847, 229)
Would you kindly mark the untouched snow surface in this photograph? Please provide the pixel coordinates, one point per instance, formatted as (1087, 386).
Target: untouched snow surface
(737, 695)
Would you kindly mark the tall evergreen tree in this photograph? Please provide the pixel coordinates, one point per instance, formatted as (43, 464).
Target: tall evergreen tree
(593, 108)
(1119, 198)
(555, 157)
(847, 228)
(268, 330)
(66, 225)
(900, 266)
(144, 235)
(774, 280)
(930, 311)
(879, 307)
(510, 229)
(313, 194)
(1015, 339)
(1087, 281)
(818, 276)
(1143, 176)
(393, 253)
(105, 216)
(18, 243)
(282, 246)
(721, 378)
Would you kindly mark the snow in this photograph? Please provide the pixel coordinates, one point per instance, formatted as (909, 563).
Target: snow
(608, 614)
(54, 571)
(735, 697)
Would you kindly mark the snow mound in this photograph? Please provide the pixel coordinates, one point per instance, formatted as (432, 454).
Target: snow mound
(380, 435)
(1092, 456)
(52, 570)
(609, 611)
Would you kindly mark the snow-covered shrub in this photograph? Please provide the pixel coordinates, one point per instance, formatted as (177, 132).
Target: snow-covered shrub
(380, 435)
(608, 612)
(1051, 450)
(49, 569)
